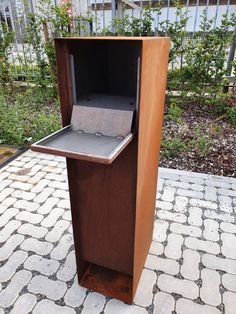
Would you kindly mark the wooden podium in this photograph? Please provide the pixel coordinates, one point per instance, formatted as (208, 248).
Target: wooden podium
(112, 92)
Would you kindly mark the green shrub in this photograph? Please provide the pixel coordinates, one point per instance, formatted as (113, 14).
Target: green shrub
(172, 147)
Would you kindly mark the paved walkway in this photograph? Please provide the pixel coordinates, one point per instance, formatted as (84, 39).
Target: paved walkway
(191, 268)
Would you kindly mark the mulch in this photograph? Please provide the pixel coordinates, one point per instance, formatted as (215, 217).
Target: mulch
(221, 156)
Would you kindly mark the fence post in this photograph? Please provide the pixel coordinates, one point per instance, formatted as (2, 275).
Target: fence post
(230, 59)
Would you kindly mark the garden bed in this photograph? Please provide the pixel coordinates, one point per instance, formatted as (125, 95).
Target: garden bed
(199, 141)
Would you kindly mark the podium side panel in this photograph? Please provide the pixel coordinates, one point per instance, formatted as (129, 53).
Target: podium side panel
(152, 94)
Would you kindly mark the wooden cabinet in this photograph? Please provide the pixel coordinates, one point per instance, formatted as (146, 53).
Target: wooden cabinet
(112, 92)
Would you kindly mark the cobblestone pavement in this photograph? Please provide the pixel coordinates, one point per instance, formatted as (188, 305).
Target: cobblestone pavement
(191, 267)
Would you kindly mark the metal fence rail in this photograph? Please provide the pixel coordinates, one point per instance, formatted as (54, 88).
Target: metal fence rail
(14, 14)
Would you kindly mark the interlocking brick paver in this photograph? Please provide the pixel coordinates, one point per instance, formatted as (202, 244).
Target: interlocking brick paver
(40, 186)
(75, 295)
(167, 215)
(24, 304)
(201, 203)
(195, 216)
(214, 262)
(192, 256)
(221, 217)
(190, 267)
(115, 306)
(164, 205)
(163, 303)
(190, 193)
(45, 266)
(225, 203)
(229, 245)
(52, 218)
(174, 244)
(156, 248)
(94, 303)
(228, 227)
(36, 246)
(144, 293)
(11, 292)
(48, 205)
(166, 265)
(160, 229)
(61, 250)
(229, 300)
(210, 290)
(210, 193)
(211, 230)
(7, 249)
(180, 204)
(7, 215)
(33, 231)
(9, 228)
(201, 245)
(49, 307)
(10, 267)
(55, 234)
(188, 230)
(26, 205)
(29, 217)
(52, 289)
(229, 282)
(184, 287)
(184, 306)
(68, 269)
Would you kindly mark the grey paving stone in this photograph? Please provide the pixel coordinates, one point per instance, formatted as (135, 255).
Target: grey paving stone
(184, 287)
(52, 289)
(32, 218)
(210, 290)
(174, 245)
(184, 306)
(75, 295)
(206, 246)
(9, 228)
(229, 300)
(144, 293)
(160, 229)
(52, 218)
(180, 204)
(211, 231)
(190, 267)
(166, 265)
(156, 248)
(228, 227)
(225, 203)
(26, 205)
(167, 215)
(55, 234)
(11, 292)
(9, 268)
(61, 250)
(195, 216)
(187, 230)
(44, 266)
(229, 244)
(163, 303)
(33, 231)
(49, 307)
(214, 262)
(24, 304)
(68, 269)
(46, 207)
(164, 205)
(210, 193)
(190, 193)
(7, 215)
(118, 307)
(229, 282)
(36, 246)
(94, 303)
(7, 249)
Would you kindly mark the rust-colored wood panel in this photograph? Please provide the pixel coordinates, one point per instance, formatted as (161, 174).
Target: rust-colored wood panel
(64, 80)
(152, 93)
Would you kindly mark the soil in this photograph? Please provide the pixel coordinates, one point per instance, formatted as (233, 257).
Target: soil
(220, 158)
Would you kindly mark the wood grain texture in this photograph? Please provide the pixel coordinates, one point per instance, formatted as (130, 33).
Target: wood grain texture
(152, 94)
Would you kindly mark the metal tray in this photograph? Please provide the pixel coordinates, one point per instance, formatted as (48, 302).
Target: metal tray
(83, 146)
